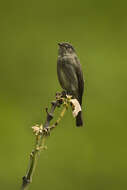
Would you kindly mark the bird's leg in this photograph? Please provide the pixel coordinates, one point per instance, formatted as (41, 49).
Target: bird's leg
(64, 93)
(70, 94)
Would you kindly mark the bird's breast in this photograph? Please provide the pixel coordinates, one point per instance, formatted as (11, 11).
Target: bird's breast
(66, 74)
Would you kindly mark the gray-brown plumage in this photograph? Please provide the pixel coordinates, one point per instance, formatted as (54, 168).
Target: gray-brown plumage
(70, 74)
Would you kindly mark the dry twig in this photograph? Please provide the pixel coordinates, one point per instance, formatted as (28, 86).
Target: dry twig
(42, 131)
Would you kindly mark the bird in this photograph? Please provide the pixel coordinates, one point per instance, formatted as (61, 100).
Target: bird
(70, 74)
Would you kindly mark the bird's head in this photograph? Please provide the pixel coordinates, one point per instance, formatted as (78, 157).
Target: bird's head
(65, 48)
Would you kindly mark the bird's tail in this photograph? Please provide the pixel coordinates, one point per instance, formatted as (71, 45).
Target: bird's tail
(79, 121)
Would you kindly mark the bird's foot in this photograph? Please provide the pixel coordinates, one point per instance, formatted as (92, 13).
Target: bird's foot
(46, 131)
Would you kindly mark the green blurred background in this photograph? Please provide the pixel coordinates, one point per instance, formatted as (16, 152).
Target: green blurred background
(90, 158)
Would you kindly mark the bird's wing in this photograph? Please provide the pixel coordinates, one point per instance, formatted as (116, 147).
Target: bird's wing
(80, 79)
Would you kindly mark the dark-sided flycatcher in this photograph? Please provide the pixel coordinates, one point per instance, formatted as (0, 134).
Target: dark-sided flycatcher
(70, 74)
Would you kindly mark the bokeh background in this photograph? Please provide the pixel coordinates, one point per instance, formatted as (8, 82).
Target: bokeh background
(93, 157)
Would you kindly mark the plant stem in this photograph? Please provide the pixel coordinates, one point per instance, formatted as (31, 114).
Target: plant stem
(41, 134)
